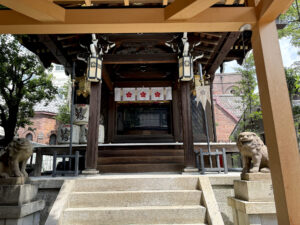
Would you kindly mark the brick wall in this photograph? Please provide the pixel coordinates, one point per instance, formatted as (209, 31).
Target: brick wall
(225, 119)
(224, 123)
(223, 83)
(44, 124)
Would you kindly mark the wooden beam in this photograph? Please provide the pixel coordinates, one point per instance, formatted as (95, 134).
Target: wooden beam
(41, 10)
(57, 53)
(222, 53)
(140, 59)
(278, 123)
(91, 156)
(88, 2)
(269, 10)
(107, 80)
(186, 9)
(229, 2)
(187, 127)
(219, 19)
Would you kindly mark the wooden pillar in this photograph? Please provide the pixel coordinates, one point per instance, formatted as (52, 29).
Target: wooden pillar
(176, 115)
(188, 142)
(91, 156)
(111, 117)
(278, 123)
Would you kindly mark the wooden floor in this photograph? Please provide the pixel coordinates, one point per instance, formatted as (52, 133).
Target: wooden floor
(135, 159)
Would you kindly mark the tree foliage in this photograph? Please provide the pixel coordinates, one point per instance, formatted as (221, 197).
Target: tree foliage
(64, 110)
(292, 19)
(23, 83)
(247, 91)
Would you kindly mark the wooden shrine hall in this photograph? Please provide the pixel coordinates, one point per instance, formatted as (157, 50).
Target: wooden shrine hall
(143, 43)
(141, 98)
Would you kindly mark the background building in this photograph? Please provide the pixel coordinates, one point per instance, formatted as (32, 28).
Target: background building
(227, 107)
(44, 127)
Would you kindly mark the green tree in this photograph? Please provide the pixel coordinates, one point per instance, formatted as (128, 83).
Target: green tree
(64, 111)
(23, 83)
(292, 19)
(247, 91)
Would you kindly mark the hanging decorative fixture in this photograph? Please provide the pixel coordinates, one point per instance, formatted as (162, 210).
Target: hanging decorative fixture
(94, 72)
(94, 66)
(186, 71)
(186, 68)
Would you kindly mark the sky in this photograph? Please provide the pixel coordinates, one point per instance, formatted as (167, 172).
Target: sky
(289, 55)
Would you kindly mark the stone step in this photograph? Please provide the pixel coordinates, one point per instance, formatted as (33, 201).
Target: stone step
(134, 198)
(134, 215)
(138, 183)
(141, 168)
(140, 160)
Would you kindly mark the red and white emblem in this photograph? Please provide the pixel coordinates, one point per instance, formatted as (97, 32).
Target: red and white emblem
(129, 94)
(157, 94)
(143, 94)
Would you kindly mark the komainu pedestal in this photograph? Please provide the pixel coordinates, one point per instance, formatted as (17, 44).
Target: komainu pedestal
(253, 203)
(18, 204)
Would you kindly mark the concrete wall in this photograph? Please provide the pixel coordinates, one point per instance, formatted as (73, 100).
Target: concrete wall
(48, 191)
(223, 188)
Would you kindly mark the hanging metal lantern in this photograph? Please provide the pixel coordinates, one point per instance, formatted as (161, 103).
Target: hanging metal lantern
(94, 70)
(186, 68)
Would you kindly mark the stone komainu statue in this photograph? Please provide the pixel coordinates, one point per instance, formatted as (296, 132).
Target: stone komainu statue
(253, 149)
(14, 158)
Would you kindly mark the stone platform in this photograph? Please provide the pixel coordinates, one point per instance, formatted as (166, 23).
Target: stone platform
(253, 203)
(18, 203)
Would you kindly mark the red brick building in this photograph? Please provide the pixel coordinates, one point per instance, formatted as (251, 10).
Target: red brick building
(227, 107)
(44, 127)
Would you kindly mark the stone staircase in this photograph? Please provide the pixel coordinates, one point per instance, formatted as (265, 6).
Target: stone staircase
(130, 200)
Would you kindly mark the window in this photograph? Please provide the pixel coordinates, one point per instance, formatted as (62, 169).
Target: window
(29, 137)
(52, 140)
(232, 91)
(59, 68)
(144, 118)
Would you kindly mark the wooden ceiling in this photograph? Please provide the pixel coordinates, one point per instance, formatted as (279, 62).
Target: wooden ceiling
(132, 3)
(140, 56)
(135, 16)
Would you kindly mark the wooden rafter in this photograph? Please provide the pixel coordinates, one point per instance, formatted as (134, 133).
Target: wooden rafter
(269, 10)
(41, 10)
(220, 19)
(186, 9)
(88, 2)
(57, 53)
(107, 80)
(224, 50)
(229, 2)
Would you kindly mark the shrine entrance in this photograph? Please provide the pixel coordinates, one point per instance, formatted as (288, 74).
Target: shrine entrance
(144, 119)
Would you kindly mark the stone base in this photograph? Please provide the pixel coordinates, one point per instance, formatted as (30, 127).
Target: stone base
(15, 212)
(254, 191)
(253, 213)
(90, 172)
(190, 170)
(254, 200)
(13, 181)
(33, 219)
(256, 176)
(17, 194)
